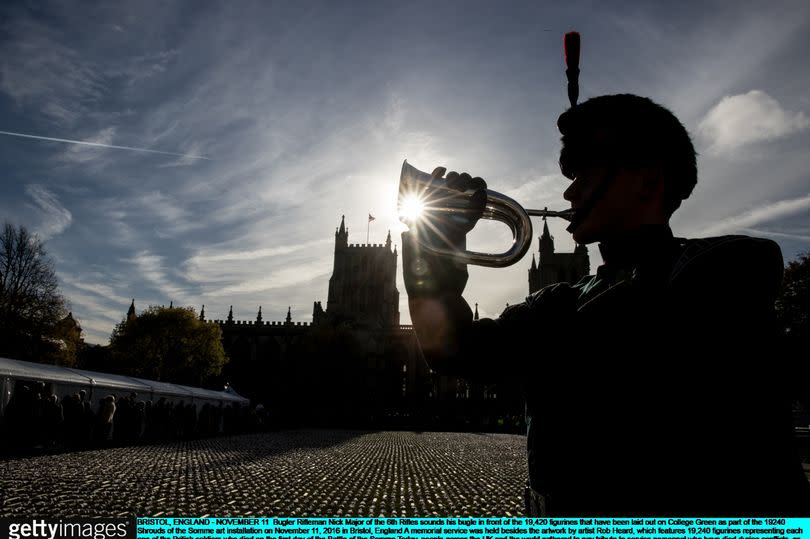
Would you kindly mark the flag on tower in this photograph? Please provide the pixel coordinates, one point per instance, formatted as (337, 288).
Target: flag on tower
(368, 226)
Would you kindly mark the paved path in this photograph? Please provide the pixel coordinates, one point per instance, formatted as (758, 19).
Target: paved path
(291, 473)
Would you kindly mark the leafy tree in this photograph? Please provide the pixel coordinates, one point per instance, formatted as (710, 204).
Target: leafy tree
(31, 306)
(168, 344)
(793, 304)
(792, 308)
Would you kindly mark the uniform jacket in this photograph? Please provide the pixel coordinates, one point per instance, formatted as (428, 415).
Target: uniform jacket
(655, 386)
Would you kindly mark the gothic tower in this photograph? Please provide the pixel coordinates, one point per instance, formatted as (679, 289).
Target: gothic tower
(557, 267)
(362, 289)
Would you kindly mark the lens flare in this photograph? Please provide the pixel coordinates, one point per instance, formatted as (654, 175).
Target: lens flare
(411, 208)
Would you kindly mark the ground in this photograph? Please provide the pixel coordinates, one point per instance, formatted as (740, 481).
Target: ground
(290, 473)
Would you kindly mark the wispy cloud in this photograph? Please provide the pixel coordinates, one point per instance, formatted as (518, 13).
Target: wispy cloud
(54, 217)
(211, 256)
(143, 67)
(101, 288)
(281, 279)
(153, 269)
(743, 119)
(38, 69)
(764, 214)
(96, 301)
(774, 234)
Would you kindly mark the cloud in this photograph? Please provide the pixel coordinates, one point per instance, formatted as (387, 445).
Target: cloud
(37, 69)
(214, 255)
(778, 235)
(96, 285)
(55, 217)
(284, 278)
(175, 218)
(152, 268)
(82, 153)
(770, 212)
(233, 272)
(743, 119)
(143, 67)
(191, 156)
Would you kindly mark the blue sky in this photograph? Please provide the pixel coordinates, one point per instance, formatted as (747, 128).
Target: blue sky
(306, 110)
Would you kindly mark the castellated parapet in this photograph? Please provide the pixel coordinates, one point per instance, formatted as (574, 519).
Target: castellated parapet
(362, 291)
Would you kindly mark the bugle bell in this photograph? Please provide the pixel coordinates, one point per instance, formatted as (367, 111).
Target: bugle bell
(421, 196)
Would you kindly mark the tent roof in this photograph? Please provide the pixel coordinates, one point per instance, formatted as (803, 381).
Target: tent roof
(52, 373)
(113, 381)
(37, 371)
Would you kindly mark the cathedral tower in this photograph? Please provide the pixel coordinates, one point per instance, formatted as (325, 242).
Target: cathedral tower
(557, 267)
(362, 289)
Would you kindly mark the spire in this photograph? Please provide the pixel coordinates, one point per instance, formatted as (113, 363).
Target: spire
(534, 264)
(388, 241)
(317, 313)
(342, 234)
(546, 242)
(476, 312)
(202, 314)
(230, 315)
(171, 304)
(259, 316)
(131, 312)
(288, 320)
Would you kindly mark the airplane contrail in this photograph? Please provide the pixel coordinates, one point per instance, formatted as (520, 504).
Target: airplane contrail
(100, 145)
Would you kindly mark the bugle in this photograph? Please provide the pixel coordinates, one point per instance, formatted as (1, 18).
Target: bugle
(421, 196)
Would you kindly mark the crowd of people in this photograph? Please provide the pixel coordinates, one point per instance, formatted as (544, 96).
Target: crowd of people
(36, 420)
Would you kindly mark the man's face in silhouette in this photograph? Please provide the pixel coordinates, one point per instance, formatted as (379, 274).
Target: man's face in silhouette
(628, 199)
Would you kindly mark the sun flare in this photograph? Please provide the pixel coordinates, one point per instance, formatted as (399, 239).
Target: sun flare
(411, 208)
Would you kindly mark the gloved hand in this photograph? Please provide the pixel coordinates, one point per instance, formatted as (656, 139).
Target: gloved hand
(430, 275)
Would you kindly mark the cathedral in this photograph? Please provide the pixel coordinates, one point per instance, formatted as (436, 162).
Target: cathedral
(557, 267)
(356, 365)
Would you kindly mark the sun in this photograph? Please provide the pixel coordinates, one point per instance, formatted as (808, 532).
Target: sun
(411, 208)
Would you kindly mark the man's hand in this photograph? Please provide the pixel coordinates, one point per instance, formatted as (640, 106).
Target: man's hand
(430, 275)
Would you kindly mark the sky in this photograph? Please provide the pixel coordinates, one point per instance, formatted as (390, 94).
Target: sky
(223, 141)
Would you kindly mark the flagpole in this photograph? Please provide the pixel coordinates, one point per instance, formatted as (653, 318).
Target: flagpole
(368, 227)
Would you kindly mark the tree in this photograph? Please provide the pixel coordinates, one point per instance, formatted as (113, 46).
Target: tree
(792, 310)
(31, 306)
(168, 344)
(793, 304)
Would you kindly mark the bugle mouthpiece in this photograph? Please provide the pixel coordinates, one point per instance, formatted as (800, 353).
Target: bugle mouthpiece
(564, 214)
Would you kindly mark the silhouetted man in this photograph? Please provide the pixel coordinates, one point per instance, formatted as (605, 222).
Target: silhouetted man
(659, 391)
